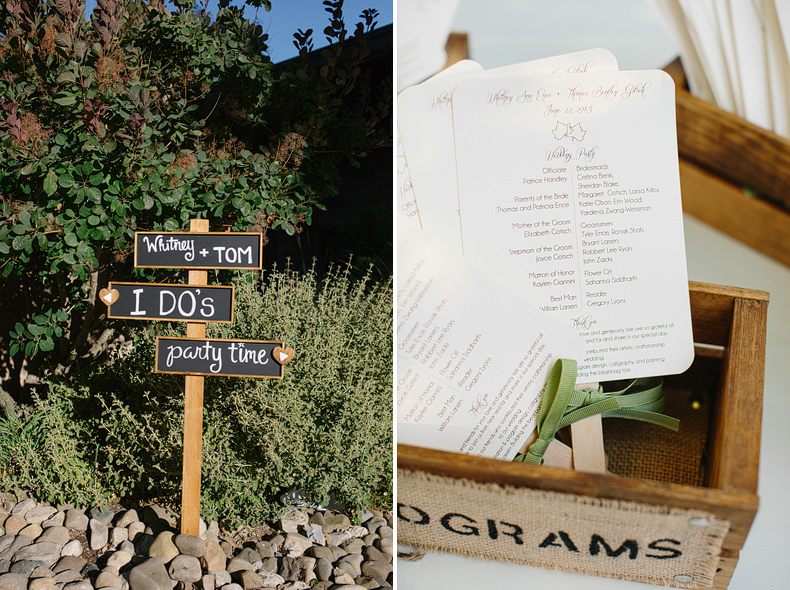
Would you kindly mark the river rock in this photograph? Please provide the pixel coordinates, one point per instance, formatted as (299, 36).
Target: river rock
(76, 520)
(13, 524)
(99, 534)
(185, 568)
(13, 581)
(163, 547)
(214, 559)
(72, 548)
(55, 534)
(42, 584)
(23, 507)
(150, 575)
(190, 545)
(47, 552)
(39, 514)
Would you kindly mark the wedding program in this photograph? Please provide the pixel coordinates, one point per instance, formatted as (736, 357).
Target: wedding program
(558, 192)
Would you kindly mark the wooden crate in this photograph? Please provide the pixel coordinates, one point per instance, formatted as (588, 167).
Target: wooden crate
(721, 155)
(731, 324)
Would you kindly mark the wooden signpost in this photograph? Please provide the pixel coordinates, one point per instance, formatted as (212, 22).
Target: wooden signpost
(196, 303)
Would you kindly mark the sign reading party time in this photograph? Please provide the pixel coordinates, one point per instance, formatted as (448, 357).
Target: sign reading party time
(231, 358)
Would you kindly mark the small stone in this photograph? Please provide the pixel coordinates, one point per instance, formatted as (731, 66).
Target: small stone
(127, 518)
(56, 519)
(78, 585)
(135, 528)
(42, 572)
(292, 520)
(374, 523)
(317, 518)
(69, 562)
(335, 521)
(118, 535)
(321, 552)
(249, 554)
(76, 520)
(157, 516)
(370, 538)
(247, 579)
(231, 586)
(354, 545)
(55, 534)
(17, 542)
(207, 582)
(99, 534)
(67, 576)
(385, 532)
(25, 566)
(190, 545)
(323, 568)
(297, 585)
(271, 581)
(357, 532)
(127, 546)
(5, 565)
(23, 507)
(39, 514)
(337, 538)
(13, 582)
(72, 548)
(103, 516)
(42, 584)
(214, 558)
(343, 567)
(185, 568)
(264, 549)
(343, 577)
(296, 544)
(163, 547)
(338, 552)
(150, 575)
(236, 564)
(322, 585)
(315, 533)
(226, 548)
(373, 554)
(376, 569)
(119, 559)
(385, 546)
(49, 553)
(289, 568)
(221, 578)
(355, 561)
(33, 531)
(13, 524)
(107, 579)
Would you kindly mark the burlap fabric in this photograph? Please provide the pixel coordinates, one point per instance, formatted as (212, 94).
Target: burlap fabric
(602, 537)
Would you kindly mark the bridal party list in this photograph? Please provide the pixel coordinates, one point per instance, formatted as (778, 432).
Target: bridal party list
(563, 190)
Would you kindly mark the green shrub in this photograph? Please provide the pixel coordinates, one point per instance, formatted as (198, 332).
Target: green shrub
(325, 427)
(47, 449)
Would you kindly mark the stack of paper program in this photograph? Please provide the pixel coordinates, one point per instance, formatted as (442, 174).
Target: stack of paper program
(540, 218)
(736, 55)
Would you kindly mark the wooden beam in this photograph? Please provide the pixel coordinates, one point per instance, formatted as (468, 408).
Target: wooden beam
(193, 418)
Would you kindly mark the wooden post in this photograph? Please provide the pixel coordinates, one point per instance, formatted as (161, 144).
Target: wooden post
(193, 418)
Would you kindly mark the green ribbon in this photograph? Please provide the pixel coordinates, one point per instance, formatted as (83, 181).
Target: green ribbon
(562, 405)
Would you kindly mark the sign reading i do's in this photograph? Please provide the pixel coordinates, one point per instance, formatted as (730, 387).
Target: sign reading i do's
(197, 304)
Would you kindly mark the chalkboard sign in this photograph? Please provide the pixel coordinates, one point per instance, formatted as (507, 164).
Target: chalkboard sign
(197, 250)
(160, 301)
(229, 358)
